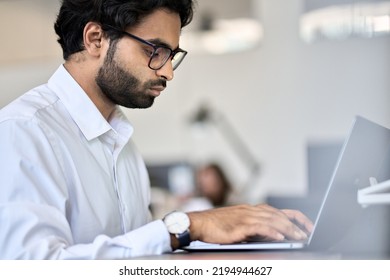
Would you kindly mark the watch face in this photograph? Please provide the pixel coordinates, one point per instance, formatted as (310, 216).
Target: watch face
(177, 222)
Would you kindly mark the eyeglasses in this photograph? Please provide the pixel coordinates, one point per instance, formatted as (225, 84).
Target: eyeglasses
(159, 56)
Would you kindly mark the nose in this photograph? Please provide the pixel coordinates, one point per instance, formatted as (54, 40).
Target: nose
(166, 72)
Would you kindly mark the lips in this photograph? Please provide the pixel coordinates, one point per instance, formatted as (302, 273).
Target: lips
(159, 88)
(156, 91)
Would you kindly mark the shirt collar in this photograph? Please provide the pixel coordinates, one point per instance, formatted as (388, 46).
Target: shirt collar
(83, 111)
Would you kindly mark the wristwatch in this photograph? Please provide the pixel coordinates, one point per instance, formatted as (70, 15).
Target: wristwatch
(178, 224)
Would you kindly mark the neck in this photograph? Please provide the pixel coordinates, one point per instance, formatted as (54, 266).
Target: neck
(86, 79)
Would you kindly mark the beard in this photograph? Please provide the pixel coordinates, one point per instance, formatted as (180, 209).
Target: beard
(123, 88)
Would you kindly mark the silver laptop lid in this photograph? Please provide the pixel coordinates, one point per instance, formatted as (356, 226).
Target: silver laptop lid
(365, 154)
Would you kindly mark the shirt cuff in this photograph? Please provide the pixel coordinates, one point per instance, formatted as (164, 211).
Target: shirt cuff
(150, 239)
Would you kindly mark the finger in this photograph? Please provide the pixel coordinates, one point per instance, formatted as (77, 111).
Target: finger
(258, 221)
(281, 222)
(300, 218)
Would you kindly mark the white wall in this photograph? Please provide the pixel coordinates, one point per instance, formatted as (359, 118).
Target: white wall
(278, 97)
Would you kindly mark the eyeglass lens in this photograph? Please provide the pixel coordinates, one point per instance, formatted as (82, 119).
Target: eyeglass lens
(161, 55)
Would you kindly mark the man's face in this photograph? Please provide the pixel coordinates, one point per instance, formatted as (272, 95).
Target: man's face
(122, 87)
(125, 77)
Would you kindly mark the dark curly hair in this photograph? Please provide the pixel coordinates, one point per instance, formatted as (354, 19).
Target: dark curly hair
(75, 14)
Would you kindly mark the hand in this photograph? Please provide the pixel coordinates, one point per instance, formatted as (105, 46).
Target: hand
(243, 222)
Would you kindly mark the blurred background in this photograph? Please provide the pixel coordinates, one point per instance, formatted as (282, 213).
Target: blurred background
(268, 91)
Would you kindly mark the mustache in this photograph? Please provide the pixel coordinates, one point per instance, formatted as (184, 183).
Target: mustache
(160, 82)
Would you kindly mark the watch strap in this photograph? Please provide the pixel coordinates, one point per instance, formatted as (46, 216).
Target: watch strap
(184, 238)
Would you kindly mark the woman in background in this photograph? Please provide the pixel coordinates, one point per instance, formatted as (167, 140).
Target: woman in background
(213, 184)
(212, 189)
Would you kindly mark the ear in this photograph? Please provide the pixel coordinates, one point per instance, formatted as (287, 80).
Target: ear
(93, 38)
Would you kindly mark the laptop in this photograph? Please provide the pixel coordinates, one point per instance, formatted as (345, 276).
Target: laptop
(364, 157)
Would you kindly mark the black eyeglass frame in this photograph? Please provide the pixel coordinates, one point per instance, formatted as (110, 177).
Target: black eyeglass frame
(172, 53)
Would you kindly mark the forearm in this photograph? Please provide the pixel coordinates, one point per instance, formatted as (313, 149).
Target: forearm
(27, 233)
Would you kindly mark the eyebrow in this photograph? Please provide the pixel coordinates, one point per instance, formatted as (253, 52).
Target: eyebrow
(161, 43)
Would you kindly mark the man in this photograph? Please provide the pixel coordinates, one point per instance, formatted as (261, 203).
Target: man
(73, 185)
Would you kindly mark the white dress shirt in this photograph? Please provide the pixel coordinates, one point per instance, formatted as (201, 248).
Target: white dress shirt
(72, 185)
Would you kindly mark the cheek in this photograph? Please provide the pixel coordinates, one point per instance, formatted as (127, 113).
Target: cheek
(141, 73)
(133, 60)
(134, 65)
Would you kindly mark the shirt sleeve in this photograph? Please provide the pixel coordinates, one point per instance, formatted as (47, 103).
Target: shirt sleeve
(33, 206)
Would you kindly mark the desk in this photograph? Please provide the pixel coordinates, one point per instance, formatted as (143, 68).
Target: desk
(267, 255)
(245, 255)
